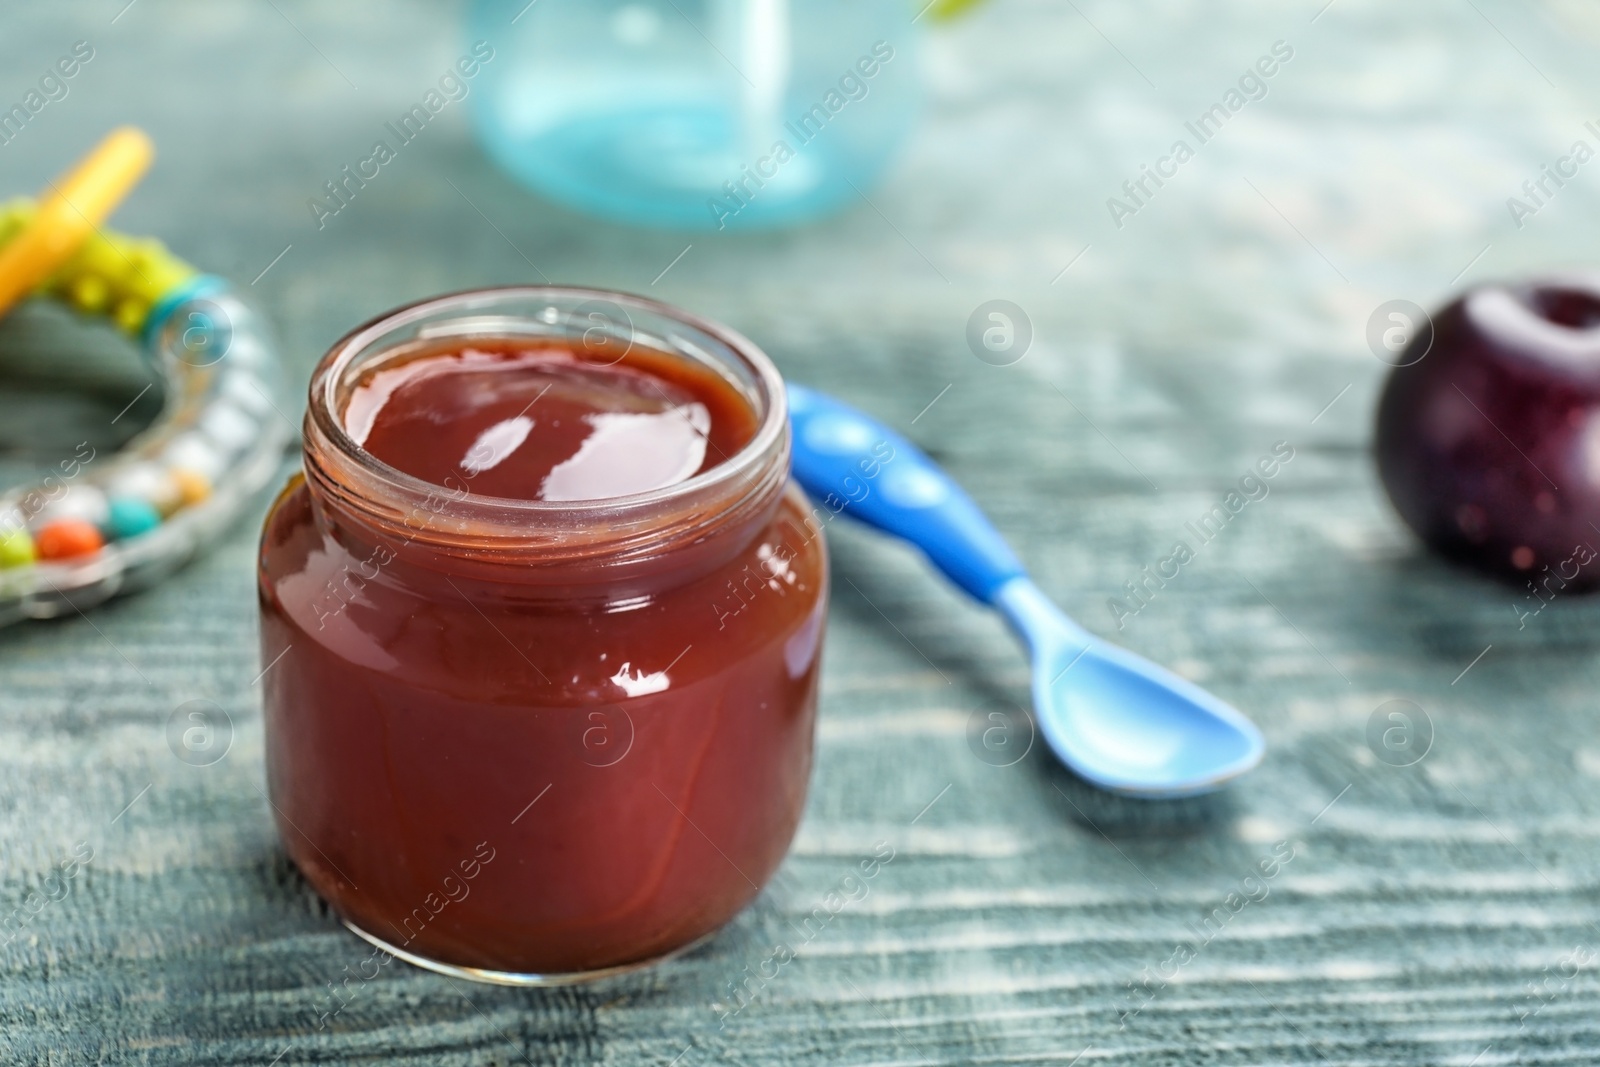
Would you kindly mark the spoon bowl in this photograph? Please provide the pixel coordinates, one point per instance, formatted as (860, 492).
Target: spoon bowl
(1119, 720)
(1113, 717)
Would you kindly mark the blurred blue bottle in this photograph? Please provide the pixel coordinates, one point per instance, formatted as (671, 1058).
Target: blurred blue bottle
(697, 114)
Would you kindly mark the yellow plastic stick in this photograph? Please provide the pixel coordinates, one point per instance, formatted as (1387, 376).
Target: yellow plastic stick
(71, 210)
(947, 9)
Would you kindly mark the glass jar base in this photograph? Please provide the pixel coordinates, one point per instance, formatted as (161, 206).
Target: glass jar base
(514, 978)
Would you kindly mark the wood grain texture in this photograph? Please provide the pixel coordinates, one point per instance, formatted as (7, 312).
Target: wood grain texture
(1419, 909)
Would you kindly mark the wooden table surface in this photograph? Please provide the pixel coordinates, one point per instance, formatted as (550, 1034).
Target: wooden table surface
(1441, 912)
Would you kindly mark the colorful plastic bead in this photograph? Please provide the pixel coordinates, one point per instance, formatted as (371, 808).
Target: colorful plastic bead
(193, 486)
(130, 517)
(129, 315)
(193, 451)
(246, 351)
(77, 502)
(16, 549)
(242, 388)
(228, 428)
(90, 294)
(67, 539)
(147, 482)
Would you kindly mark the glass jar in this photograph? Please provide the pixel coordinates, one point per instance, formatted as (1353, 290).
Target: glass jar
(697, 114)
(535, 741)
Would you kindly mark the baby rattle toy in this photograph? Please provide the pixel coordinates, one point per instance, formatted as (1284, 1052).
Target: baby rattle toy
(99, 525)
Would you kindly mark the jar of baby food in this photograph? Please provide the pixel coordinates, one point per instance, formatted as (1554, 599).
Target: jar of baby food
(541, 624)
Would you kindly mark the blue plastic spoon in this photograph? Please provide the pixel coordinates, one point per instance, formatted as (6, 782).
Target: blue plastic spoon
(1115, 718)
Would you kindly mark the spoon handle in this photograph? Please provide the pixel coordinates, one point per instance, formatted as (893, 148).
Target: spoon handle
(852, 464)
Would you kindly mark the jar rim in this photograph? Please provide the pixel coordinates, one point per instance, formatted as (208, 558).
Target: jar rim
(718, 487)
